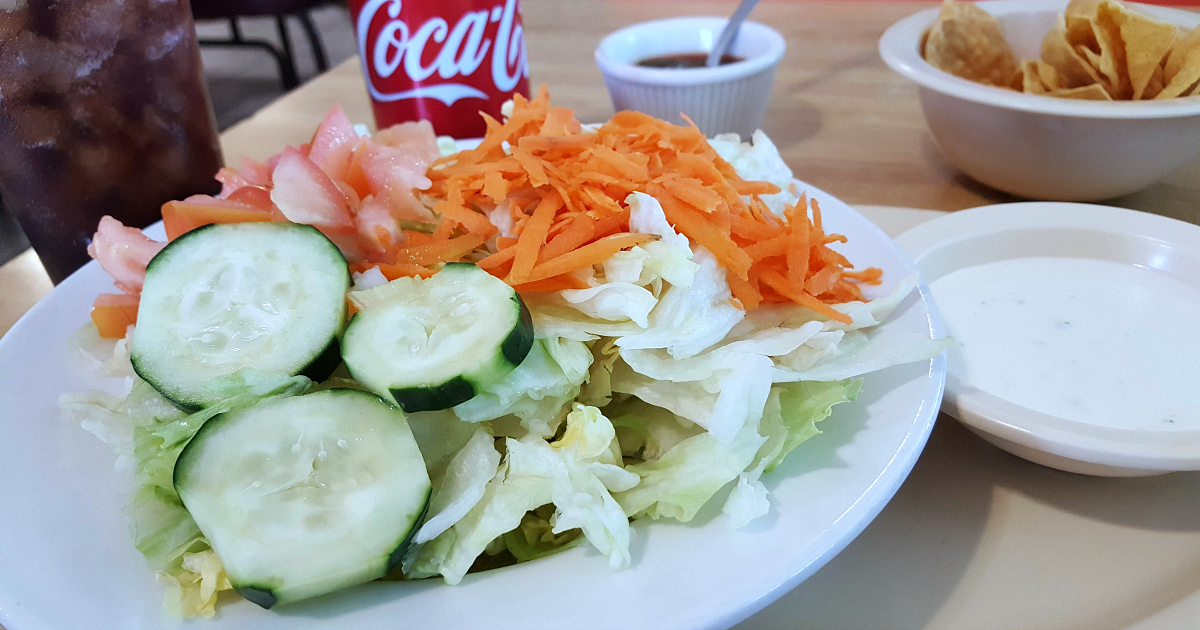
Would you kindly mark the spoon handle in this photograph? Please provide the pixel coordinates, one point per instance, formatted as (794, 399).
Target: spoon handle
(729, 32)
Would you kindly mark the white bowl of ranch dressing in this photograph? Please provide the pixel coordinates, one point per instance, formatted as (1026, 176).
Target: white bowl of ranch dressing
(1077, 332)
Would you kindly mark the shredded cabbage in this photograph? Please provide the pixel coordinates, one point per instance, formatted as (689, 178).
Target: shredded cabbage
(538, 391)
(577, 473)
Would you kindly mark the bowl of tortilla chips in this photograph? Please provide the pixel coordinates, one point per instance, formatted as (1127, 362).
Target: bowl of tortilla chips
(1079, 101)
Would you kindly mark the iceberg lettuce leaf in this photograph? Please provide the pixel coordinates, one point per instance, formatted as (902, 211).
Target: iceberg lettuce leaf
(538, 391)
(690, 319)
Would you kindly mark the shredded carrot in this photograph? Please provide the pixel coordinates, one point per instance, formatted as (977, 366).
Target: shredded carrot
(591, 254)
(494, 261)
(533, 237)
(776, 246)
(556, 283)
(442, 231)
(114, 313)
(403, 270)
(566, 190)
(745, 291)
(443, 251)
(784, 288)
(870, 275)
(822, 281)
(576, 233)
(798, 244)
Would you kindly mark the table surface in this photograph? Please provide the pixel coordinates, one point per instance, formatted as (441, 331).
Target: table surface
(975, 538)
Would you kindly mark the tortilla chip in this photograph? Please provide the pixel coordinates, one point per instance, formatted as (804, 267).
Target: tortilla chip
(1181, 70)
(1155, 85)
(1081, 7)
(1110, 61)
(1147, 42)
(967, 41)
(1091, 92)
(1038, 77)
(1081, 31)
(1057, 51)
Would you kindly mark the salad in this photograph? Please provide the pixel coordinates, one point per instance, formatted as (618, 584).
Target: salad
(378, 356)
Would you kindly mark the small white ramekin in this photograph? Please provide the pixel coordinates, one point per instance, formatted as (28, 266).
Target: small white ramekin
(728, 98)
(1044, 147)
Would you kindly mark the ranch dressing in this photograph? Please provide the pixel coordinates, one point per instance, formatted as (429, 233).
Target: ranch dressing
(1088, 340)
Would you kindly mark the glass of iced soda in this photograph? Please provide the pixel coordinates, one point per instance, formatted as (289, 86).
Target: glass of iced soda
(103, 110)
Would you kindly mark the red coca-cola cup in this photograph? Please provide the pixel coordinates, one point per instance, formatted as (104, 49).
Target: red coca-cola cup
(441, 60)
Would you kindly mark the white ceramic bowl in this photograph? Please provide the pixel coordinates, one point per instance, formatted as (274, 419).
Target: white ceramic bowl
(728, 98)
(1136, 444)
(1045, 147)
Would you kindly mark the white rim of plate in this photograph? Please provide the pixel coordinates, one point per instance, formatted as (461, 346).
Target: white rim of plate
(899, 49)
(1151, 240)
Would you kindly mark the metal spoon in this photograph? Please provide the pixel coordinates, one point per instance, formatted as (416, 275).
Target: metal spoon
(729, 32)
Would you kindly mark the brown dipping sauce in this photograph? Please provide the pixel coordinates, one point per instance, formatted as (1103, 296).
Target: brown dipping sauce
(685, 60)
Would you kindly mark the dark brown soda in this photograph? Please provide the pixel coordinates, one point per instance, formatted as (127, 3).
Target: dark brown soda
(103, 110)
(685, 60)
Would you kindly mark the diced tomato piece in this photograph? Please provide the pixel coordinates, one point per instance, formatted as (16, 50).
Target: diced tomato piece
(251, 173)
(123, 252)
(333, 143)
(347, 242)
(255, 172)
(114, 313)
(406, 207)
(415, 136)
(378, 230)
(254, 196)
(231, 181)
(393, 169)
(355, 177)
(305, 194)
(350, 194)
(184, 216)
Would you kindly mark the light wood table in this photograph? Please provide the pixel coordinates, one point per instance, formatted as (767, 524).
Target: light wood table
(975, 538)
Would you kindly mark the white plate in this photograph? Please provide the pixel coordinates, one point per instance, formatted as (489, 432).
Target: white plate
(66, 560)
(1086, 437)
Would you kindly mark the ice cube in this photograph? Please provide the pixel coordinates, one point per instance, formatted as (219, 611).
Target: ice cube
(37, 126)
(30, 63)
(12, 21)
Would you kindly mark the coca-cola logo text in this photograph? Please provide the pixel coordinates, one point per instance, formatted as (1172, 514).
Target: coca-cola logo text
(387, 45)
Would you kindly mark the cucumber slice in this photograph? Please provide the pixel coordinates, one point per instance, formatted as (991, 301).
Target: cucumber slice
(223, 297)
(428, 344)
(306, 495)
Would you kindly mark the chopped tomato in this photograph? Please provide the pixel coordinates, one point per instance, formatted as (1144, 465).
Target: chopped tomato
(184, 216)
(350, 194)
(303, 193)
(393, 169)
(254, 196)
(378, 230)
(333, 143)
(273, 161)
(406, 207)
(255, 172)
(417, 136)
(355, 177)
(123, 252)
(251, 173)
(231, 181)
(114, 313)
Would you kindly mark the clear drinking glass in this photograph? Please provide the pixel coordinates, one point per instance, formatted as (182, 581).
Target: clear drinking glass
(103, 110)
